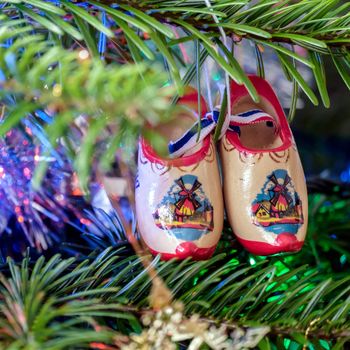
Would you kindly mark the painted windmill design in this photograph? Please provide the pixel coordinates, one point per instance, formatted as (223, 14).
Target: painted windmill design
(281, 198)
(187, 203)
(185, 211)
(278, 205)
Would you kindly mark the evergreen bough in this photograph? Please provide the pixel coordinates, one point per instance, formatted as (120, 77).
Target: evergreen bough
(44, 66)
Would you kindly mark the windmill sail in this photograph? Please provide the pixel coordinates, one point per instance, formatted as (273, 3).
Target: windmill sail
(187, 197)
(280, 192)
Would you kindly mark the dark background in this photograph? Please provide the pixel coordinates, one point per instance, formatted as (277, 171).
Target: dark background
(323, 135)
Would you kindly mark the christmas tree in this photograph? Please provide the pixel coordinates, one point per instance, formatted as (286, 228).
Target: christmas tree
(79, 83)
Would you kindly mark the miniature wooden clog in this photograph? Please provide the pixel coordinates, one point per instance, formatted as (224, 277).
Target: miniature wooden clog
(179, 204)
(264, 184)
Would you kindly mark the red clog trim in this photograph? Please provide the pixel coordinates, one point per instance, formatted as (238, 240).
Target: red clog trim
(190, 99)
(284, 243)
(265, 90)
(185, 250)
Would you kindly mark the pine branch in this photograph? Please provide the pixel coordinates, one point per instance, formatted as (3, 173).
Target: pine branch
(68, 84)
(288, 332)
(320, 26)
(40, 303)
(338, 39)
(298, 304)
(109, 291)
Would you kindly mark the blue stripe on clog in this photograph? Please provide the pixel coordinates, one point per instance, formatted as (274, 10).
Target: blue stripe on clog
(175, 146)
(249, 113)
(190, 138)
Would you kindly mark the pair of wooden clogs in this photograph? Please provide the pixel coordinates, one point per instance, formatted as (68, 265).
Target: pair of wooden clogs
(180, 199)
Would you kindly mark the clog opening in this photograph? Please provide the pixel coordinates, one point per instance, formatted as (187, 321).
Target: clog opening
(182, 121)
(261, 135)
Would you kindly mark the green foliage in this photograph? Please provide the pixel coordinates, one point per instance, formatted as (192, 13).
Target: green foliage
(52, 305)
(62, 304)
(328, 229)
(99, 298)
(72, 304)
(69, 85)
(67, 304)
(139, 31)
(317, 25)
